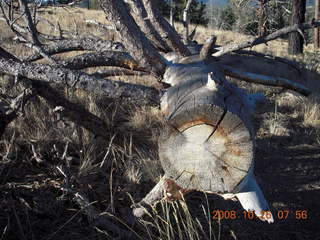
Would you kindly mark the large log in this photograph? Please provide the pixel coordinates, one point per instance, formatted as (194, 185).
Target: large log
(208, 145)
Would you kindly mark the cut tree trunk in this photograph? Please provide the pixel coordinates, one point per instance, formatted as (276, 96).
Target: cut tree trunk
(209, 143)
(297, 17)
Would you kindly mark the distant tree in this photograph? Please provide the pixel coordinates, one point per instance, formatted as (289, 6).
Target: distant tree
(298, 11)
(196, 13)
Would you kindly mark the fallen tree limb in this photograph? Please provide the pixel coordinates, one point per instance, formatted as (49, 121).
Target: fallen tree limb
(155, 195)
(141, 17)
(90, 44)
(255, 41)
(111, 89)
(166, 31)
(105, 58)
(137, 44)
(266, 80)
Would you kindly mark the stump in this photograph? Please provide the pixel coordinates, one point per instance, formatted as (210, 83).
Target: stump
(208, 144)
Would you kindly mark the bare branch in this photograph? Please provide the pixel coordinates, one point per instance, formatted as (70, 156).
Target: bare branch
(91, 44)
(166, 31)
(270, 37)
(77, 79)
(267, 80)
(141, 17)
(118, 72)
(134, 40)
(105, 58)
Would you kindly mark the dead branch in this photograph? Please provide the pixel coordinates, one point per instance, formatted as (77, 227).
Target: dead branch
(111, 89)
(266, 80)
(141, 17)
(105, 58)
(35, 43)
(137, 44)
(155, 195)
(270, 37)
(166, 31)
(90, 44)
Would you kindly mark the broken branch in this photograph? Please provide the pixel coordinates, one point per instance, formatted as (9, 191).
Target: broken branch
(267, 80)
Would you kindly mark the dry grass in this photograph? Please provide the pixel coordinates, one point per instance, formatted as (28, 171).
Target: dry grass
(117, 169)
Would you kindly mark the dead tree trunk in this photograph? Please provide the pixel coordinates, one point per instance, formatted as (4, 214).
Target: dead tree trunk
(209, 142)
(296, 39)
(317, 30)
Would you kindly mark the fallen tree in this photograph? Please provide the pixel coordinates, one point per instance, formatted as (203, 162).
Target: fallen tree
(209, 141)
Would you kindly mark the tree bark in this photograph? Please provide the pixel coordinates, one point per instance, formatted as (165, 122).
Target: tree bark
(141, 17)
(266, 80)
(111, 89)
(298, 10)
(165, 29)
(317, 30)
(133, 39)
(68, 45)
